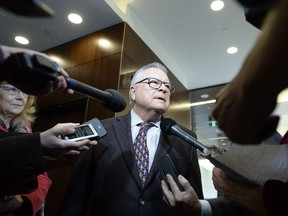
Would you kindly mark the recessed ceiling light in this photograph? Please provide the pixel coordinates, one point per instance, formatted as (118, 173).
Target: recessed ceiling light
(204, 95)
(22, 40)
(75, 18)
(232, 50)
(217, 5)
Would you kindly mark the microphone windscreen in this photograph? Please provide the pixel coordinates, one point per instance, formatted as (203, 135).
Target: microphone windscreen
(118, 102)
(166, 125)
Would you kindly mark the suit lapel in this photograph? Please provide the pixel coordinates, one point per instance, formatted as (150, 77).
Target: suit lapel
(163, 148)
(122, 129)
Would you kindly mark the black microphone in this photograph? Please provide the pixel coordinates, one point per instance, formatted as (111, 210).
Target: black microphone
(170, 127)
(110, 98)
(32, 73)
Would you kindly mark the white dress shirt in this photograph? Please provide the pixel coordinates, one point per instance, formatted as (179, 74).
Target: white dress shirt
(153, 135)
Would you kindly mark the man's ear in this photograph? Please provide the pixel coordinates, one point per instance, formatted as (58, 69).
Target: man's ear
(132, 93)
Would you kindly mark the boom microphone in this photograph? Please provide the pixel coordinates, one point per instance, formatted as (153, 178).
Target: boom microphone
(110, 98)
(170, 127)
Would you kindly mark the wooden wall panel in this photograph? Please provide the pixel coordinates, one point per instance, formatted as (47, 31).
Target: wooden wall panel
(105, 76)
(82, 73)
(114, 35)
(87, 48)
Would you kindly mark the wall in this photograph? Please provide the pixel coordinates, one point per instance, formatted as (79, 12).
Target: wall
(109, 67)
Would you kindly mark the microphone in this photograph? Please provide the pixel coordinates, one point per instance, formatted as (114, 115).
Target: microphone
(110, 98)
(170, 127)
(36, 71)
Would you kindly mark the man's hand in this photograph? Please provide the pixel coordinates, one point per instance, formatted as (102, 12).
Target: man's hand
(186, 200)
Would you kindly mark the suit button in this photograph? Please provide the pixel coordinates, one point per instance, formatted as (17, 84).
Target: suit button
(142, 202)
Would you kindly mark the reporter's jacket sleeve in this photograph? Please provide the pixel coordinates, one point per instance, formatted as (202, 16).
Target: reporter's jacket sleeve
(20, 156)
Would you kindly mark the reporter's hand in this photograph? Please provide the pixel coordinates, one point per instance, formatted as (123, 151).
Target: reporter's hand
(55, 86)
(244, 116)
(186, 200)
(27, 85)
(54, 145)
(249, 196)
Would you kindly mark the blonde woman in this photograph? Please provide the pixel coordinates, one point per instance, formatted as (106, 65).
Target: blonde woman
(16, 116)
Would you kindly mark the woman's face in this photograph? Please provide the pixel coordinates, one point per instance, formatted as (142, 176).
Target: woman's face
(12, 100)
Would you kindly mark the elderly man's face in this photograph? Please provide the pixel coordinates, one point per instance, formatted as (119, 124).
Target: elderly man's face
(147, 98)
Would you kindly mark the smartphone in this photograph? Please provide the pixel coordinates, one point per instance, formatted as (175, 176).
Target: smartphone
(92, 130)
(166, 166)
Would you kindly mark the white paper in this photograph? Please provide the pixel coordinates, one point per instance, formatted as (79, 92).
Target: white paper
(257, 163)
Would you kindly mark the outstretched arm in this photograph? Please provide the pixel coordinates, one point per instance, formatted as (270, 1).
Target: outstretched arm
(243, 107)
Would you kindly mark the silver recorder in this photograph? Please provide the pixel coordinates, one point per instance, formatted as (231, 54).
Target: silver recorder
(92, 130)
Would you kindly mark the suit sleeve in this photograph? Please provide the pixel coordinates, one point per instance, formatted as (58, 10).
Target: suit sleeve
(20, 156)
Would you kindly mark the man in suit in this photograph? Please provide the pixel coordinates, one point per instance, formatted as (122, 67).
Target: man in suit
(106, 180)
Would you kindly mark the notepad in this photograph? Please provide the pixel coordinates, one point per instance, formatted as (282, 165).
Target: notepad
(254, 164)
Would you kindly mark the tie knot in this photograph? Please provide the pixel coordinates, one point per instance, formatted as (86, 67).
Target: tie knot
(146, 126)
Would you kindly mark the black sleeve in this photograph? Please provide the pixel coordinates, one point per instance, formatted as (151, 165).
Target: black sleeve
(255, 3)
(20, 156)
(256, 10)
(224, 207)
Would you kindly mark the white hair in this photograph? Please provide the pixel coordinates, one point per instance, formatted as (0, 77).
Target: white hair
(138, 74)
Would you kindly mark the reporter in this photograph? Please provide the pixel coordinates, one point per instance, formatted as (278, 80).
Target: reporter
(251, 97)
(29, 150)
(17, 111)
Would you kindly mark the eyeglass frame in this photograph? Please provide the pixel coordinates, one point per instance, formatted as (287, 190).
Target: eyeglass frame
(172, 87)
(15, 91)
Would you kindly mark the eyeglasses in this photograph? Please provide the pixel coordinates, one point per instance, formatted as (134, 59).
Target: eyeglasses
(156, 84)
(11, 90)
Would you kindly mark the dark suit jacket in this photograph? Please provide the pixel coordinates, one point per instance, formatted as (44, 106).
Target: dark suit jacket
(20, 156)
(106, 180)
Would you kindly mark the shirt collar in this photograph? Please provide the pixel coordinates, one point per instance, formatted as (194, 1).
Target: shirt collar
(135, 119)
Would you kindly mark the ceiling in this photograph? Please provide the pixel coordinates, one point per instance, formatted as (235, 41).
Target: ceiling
(186, 35)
